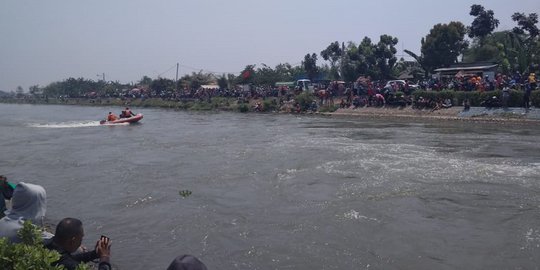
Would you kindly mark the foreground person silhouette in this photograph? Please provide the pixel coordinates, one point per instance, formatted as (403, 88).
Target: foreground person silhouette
(68, 238)
(186, 262)
(28, 203)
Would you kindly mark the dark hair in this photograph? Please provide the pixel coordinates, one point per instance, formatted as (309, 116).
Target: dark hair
(186, 262)
(68, 228)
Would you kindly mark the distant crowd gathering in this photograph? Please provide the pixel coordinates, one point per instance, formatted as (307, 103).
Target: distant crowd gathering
(398, 93)
(360, 93)
(28, 203)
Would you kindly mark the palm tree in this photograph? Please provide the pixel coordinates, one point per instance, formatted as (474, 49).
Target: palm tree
(421, 61)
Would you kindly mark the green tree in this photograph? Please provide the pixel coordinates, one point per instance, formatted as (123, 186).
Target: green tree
(412, 68)
(162, 85)
(35, 90)
(442, 46)
(529, 33)
(265, 76)
(367, 59)
(310, 65)
(483, 24)
(351, 65)
(526, 24)
(247, 75)
(421, 61)
(145, 80)
(195, 80)
(385, 53)
(231, 79)
(510, 50)
(333, 53)
(222, 82)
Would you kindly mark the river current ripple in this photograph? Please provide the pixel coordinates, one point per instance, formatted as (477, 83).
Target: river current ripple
(285, 191)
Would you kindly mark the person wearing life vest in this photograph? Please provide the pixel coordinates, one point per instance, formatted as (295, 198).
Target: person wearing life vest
(127, 113)
(532, 81)
(112, 117)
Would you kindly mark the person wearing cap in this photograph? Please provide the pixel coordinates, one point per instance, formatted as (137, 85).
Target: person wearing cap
(186, 262)
(28, 203)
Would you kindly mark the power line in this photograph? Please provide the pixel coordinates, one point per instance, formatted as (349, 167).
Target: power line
(159, 75)
(209, 71)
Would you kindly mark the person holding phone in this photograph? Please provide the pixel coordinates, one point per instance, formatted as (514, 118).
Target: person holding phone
(68, 238)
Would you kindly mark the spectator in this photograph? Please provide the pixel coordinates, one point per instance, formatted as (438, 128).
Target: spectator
(68, 238)
(6, 192)
(186, 262)
(28, 203)
(526, 97)
(505, 97)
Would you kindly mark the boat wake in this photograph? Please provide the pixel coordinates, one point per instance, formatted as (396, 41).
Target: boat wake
(71, 124)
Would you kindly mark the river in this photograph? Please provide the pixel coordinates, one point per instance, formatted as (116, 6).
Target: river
(273, 191)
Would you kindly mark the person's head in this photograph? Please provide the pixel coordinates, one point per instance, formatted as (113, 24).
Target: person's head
(186, 262)
(29, 202)
(127, 108)
(3, 181)
(69, 234)
(110, 112)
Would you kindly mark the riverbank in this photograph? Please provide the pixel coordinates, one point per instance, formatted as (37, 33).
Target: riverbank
(453, 113)
(271, 104)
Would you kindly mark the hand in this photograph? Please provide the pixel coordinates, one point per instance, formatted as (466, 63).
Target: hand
(103, 248)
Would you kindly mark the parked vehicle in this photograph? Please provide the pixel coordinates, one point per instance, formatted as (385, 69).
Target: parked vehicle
(401, 84)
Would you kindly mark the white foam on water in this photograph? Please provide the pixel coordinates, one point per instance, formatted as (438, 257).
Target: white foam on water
(288, 174)
(71, 124)
(140, 201)
(354, 215)
(532, 239)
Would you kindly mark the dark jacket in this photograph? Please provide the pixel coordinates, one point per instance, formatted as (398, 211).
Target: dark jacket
(71, 261)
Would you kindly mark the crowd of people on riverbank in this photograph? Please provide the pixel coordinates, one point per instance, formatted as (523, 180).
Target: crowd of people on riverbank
(28, 203)
(363, 92)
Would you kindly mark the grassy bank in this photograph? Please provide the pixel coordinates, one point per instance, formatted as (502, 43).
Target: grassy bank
(270, 104)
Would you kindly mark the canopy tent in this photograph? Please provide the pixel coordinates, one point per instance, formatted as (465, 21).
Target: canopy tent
(289, 84)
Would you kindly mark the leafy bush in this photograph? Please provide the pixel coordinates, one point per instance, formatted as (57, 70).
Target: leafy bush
(243, 107)
(535, 98)
(305, 99)
(476, 98)
(30, 254)
(202, 106)
(270, 105)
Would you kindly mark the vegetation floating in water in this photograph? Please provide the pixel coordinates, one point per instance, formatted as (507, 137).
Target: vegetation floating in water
(184, 193)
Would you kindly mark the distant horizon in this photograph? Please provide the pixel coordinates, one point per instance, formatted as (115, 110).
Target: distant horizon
(47, 42)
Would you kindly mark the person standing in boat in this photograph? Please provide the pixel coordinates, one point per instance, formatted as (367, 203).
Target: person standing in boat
(126, 113)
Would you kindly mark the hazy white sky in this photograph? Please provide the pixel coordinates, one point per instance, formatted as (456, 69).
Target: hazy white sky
(47, 41)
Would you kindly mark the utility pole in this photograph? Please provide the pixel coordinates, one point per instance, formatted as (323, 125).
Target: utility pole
(103, 76)
(177, 64)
